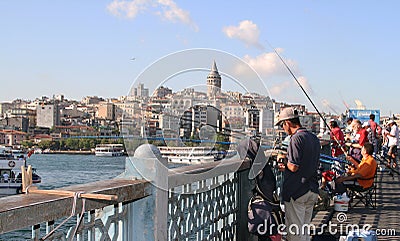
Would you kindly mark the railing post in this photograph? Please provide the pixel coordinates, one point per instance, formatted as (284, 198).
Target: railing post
(148, 217)
(244, 194)
(35, 232)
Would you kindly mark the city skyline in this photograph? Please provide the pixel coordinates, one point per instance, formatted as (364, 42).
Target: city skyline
(341, 52)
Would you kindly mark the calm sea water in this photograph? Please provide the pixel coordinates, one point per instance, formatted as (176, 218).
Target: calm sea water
(65, 170)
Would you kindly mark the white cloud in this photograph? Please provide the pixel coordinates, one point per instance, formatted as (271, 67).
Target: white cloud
(175, 14)
(277, 90)
(128, 9)
(167, 9)
(267, 64)
(306, 85)
(247, 32)
(270, 68)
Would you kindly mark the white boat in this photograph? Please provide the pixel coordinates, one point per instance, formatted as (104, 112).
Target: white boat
(109, 150)
(10, 172)
(18, 153)
(193, 155)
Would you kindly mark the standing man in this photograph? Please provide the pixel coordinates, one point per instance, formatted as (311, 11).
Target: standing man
(337, 139)
(349, 121)
(393, 138)
(300, 185)
(376, 132)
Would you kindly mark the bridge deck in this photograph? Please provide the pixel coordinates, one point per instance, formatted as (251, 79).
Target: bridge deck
(384, 219)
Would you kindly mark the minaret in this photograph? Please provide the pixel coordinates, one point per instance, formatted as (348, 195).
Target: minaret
(213, 82)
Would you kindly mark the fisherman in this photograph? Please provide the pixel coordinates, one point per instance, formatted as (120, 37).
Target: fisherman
(376, 132)
(349, 128)
(300, 185)
(337, 150)
(362, 174)
(337, 139)
(370, 136)
(393, 137)
(361, 137)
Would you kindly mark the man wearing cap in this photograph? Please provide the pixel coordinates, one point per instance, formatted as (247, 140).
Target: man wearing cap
(393, 137)
(300, 185)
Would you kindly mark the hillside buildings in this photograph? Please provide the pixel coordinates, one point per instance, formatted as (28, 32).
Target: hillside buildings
(186, 114)
(48, 115)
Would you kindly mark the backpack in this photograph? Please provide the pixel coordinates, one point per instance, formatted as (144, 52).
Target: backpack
(264, 217)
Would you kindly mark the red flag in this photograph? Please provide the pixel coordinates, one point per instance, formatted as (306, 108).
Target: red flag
(30, 153)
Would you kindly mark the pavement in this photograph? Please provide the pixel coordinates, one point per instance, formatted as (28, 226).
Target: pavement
(384, 220)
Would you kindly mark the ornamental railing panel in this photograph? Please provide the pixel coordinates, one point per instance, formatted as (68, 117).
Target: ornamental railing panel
(204, 210)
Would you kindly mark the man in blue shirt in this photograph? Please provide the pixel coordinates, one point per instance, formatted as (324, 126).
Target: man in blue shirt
(300, 185)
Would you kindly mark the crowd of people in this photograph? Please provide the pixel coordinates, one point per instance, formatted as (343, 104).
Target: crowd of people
(358, 143)
(384, 139)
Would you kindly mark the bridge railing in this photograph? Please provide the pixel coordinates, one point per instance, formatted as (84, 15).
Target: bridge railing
(209, 201)
(198, 202)
(44, 212)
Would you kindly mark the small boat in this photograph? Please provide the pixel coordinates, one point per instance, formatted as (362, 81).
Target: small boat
(109, 150)
(10, 172)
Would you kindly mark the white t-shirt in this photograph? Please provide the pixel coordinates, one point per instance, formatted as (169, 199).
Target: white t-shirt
(394, 136)
(5, 176)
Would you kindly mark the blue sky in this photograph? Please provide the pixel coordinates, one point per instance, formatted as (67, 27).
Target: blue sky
(341, 51)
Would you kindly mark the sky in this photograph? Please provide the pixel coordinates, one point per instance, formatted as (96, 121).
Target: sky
(344, 53)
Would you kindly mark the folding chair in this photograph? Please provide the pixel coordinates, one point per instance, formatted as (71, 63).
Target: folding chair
(367, 196)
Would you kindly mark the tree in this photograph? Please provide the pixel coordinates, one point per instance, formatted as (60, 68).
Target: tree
(221, 138)
(27, 144)
(44, 145)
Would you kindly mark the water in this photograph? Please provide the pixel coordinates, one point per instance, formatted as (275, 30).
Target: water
(66, 170)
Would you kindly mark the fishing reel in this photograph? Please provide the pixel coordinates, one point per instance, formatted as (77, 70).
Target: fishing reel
(282, 158)
(281, 161)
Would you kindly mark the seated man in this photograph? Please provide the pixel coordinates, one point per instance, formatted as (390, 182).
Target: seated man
(362, 174)
(360, 138)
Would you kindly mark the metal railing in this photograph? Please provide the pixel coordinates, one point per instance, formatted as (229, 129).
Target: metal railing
(199, 202)
(44, 212)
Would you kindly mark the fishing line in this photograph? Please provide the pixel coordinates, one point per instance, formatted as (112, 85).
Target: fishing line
(308, 97)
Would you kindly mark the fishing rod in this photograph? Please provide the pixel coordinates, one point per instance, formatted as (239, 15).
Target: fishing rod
(309, 98)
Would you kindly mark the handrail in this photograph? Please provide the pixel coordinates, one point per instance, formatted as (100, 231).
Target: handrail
(199, 172)
(25, 210)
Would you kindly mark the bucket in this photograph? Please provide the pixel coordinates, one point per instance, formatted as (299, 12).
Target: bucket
(341, 203)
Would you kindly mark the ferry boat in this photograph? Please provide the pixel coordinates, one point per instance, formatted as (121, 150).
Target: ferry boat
(109, 150)
(10, 172)
(194, 155)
